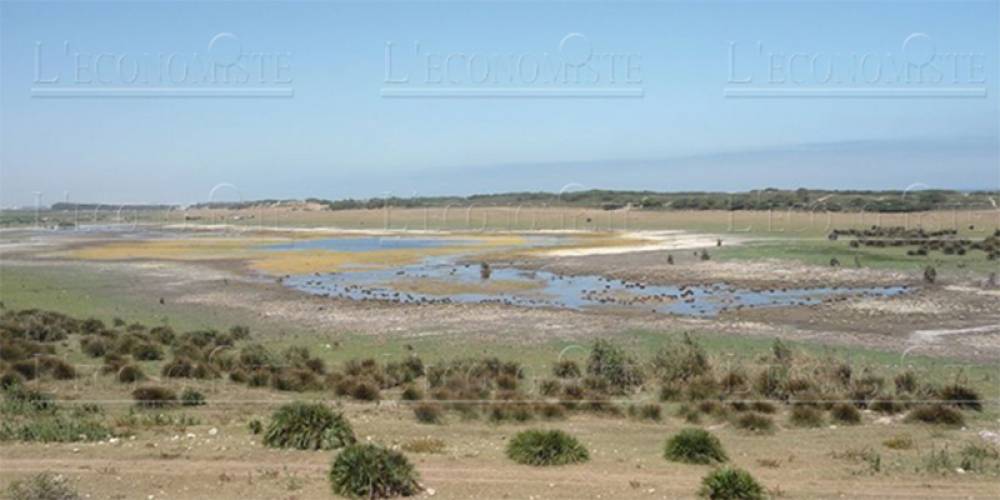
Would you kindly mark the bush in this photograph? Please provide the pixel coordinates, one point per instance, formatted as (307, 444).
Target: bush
(681, 361)
(306, 426)
(191, 397)
(566, 368)
(365, 391)
(961, 397)
(906, 382)
(610, 363)
(154, 396)
(537, 447)
(805, 416)
(44, 486)
(936, 414)
(845, 413)
(255, 426)
(649, 411)
(369, 471)
(694, 446)
(729, 483)
(755, 422)
(93, 346)
(130, 373)
(412, 393)
(147, 351)
(428, 413)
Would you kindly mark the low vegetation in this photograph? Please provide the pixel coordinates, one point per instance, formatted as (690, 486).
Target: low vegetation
(308, 426)
(370, 471)
(551, 447)
(730, 483)
(694, 446)
(43, 486)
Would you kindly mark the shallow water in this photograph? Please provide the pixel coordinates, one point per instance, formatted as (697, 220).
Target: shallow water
(554, 290)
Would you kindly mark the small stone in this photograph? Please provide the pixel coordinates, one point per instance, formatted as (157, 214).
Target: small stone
(213, 431)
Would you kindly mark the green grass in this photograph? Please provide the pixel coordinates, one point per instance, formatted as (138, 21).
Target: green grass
(818, 252)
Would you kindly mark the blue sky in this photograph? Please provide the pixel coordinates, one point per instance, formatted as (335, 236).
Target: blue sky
(334, 134)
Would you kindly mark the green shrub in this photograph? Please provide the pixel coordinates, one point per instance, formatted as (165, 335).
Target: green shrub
(694, 446)
(19, 399)
(554, 447)
(805, 416)
(44, 486)
(729, 483)
(191, 397)
(611, 364)
(428, 413)
(369, 471)
(308, 426)
(961, 397)
(936, 414)
(754, 422)
(54, 429)
(845, 413)
(154, 396)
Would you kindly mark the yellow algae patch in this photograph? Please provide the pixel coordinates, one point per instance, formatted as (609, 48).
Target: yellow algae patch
(429, 286)
(315, 261)
(249, 249)
(174, 249)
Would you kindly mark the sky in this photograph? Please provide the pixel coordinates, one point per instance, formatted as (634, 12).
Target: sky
(183, 102)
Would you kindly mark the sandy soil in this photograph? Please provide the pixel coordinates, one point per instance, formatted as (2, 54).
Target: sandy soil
(626, 461)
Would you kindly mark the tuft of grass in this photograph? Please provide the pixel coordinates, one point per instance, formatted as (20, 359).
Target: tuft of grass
(961, 397)
(755, 422)
(543, 448)
(936, 414)
(191, 397)
(130, 373)
(370, 471)
(845, 413)
(152, 396)
(694, 446)
(424, 445)
(805, 416)
(900, 442)
(730, 483)
(43, 486)
(308, 426)
(428, 413)
(649, 411)
(566, 368)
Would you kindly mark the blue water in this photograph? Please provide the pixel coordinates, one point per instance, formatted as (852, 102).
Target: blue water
(570, 292)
